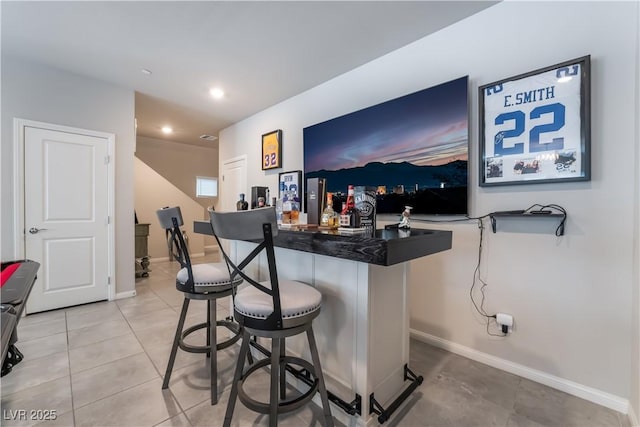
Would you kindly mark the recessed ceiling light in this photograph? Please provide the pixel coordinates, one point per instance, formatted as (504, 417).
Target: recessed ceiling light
(216, 92)
(146, 72)
(167, 129)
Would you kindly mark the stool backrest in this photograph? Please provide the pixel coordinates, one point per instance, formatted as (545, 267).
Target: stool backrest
(259, 226)
(171, 220)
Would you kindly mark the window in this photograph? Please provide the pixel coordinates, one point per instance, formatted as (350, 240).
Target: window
(206, 186)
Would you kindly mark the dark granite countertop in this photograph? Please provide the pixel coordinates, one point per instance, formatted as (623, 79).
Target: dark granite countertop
(387, 247)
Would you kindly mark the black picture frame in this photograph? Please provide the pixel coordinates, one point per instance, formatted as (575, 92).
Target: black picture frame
(272, 150)
(290, 186)
(536, 127)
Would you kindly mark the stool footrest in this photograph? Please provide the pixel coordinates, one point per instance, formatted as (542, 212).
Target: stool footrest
(384, 414)
(232, 326)
(284, 406)
(352, 408)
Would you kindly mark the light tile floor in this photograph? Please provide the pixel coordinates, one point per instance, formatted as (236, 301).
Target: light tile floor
(102, 364)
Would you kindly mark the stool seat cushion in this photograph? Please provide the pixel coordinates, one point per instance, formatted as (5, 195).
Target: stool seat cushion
(208, 277)
(296, 299)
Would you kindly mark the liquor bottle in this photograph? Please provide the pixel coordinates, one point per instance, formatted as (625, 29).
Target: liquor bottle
(278, 204)
(329, 217)
(242, 204)
(350, 216)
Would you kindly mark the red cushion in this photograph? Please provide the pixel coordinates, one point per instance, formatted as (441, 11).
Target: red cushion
(7, 272)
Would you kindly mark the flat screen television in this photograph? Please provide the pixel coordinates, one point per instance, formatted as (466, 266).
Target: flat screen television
(414, 150)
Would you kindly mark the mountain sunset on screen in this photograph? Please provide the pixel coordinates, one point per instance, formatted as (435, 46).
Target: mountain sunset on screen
(404, 146)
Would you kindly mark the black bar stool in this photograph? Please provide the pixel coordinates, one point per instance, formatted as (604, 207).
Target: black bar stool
(273, 309)
(198, 282)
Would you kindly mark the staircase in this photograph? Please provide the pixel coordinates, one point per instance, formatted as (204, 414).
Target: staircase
(176, 166)
(152, 192)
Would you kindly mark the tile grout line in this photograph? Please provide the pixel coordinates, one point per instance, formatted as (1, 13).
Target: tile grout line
(107, 362)
(127, 388)
(96, 342)
(84, 370)
(515, 400)
(184, 411)
(73, 409)
(144, 350)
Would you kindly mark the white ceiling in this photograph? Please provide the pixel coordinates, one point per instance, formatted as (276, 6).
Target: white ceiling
(259, 52)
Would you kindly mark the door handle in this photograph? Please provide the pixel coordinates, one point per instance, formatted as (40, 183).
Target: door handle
(34, 230)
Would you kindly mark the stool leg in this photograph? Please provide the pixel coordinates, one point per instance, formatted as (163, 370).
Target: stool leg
(244, 348)
(323, 390)
(283, 372)
(176, 340)
(213, 350)
(275, 369)
(209, 326)
(249, 355)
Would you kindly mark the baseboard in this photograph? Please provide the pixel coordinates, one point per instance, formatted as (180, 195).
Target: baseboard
(127, 294)
(166, 258)
(591, 394)
(633, 419)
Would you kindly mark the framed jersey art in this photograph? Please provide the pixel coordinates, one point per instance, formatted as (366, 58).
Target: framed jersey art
(272, 150)
(535, 127)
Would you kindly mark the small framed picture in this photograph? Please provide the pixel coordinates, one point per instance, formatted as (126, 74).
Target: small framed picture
(290, 186)
(535, 127)
(272, 150)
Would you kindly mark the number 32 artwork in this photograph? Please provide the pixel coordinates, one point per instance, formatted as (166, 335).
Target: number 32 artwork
(535, 127)
(272, 150)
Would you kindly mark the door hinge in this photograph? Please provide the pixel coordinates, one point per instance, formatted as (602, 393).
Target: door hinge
(107, 221)
(108, 280)
(107, 159)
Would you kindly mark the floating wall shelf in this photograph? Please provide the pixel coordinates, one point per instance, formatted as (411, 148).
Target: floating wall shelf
(496, 215)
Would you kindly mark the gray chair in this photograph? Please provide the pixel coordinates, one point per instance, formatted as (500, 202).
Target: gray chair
(198, 282)
(273, 309)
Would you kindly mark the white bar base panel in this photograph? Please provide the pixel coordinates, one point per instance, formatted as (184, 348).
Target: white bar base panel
(605, 399)
(362, 331)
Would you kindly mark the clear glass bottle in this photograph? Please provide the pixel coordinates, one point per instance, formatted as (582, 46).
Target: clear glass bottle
(329, 217)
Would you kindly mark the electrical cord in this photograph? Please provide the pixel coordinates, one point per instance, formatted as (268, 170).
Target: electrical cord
(557, 208)
(477, 277)
(476, 274)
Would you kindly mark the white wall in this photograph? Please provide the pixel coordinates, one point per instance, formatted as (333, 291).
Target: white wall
(153, 192)
(180, 163)
(571, 297)
(635, 371)
(36, 92)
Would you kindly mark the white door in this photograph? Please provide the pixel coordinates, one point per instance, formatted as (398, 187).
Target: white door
(234, 182)
(66, 217)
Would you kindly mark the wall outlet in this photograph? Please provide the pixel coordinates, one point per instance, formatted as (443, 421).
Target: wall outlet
(505, 321)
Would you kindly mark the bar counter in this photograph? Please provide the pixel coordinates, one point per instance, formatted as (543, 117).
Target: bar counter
(387, 247)
(362, 331)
